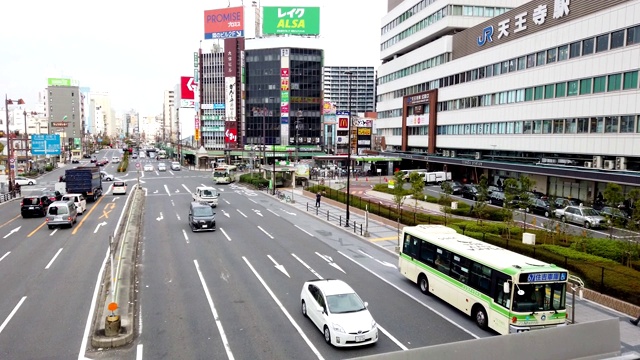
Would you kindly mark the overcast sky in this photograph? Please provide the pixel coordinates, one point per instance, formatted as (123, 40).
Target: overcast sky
(136, 49)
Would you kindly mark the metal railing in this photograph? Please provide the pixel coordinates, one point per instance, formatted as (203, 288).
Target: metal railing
(7, 196)
(337, 217)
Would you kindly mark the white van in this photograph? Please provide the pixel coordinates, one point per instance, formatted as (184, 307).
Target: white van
(78, 200)
(115, 159)
(61, 213)
(119, 188)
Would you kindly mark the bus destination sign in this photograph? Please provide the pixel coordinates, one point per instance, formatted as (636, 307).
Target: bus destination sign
(544, 277)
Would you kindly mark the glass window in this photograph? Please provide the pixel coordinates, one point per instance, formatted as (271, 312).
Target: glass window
(583, 126)
(626, 124)
(585, 86)
(561, 89)
(489, 70)
(587, 46)
(599, 84)
(546, 126)
(602, 43)
(630, 80)
(528, 94)
(538, 93)
(526, 127)
(633, 35)
(548, 91)
(496, 69)
(574, 50)
(521, 62)
(572, 88)
(517, 127)
(558, 126)
(551, 56)
(510, 126)
(540, 58)
(505, 67)
(596, 125)
(563, 52)
(611, 124)
(617, 39)
(614, 82)
(571, 126)
(531, 60)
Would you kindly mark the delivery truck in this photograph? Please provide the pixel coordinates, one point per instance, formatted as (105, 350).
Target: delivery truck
(85, 180)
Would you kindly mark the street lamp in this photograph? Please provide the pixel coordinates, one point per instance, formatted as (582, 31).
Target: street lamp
(349, 73)
(298, 120)
(8, 102)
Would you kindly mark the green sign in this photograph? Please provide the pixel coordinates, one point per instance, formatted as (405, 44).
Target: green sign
(212, 117)
(59, 82)
(284, 96)
(290, 20)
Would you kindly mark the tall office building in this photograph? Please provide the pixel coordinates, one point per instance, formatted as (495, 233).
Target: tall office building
(213, 99)
(167, 115)
(103, 119)
(360, 85)
(65, 111)
(548, 89)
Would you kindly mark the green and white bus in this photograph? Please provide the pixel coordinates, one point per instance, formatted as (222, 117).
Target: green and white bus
(498, 288)
(225, 174)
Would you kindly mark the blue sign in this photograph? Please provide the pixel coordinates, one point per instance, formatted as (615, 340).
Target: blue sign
(342, 112)
(545, 277)
(99, 140)
(218, 106)
(224, 35)
(45, 144)
(487, 36)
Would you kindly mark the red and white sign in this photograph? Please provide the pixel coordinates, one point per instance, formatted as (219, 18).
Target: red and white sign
(197, 122)
(284, 72)
(231, 136)
(187, 87)
(343, 122)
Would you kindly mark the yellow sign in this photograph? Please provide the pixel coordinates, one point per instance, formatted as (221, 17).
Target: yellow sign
(197, 134)
(364, 131)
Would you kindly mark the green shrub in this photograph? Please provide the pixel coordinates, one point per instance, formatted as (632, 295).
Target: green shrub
(48, 167)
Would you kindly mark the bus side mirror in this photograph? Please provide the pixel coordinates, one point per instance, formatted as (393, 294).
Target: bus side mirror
(505, 287)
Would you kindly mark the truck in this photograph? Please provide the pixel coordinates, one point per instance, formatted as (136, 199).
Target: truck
(85, 180)
(206, 194)
(436, 177)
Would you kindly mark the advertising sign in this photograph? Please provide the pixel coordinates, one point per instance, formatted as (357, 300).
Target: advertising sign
(284, 84)
(230, 57)
(196, 134)
(230, 98)
(284, 96)
(187, 88)
(417, 120)
(364, 131)
(328, 108)
(187, 103)
(290, 20)
(284, 108)
(60, 82)
(284, 72)
(45, 144)
(343, 120)
(59, 124)
(231, 136)
(224, 23)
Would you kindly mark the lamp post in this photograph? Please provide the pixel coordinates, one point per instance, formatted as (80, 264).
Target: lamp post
(298, 120)
(8, 102)
(349, 73)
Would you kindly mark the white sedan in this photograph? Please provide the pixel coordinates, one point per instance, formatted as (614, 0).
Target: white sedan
(148, 167)
(20, 180)
(338, 312)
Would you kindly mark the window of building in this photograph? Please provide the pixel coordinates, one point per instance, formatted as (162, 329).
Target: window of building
(574, 50)
(563, 52)
(571, 126)
(526, 127)
(596, 125)
(587, 46)
(630, 80)
(599, 84)
(522, 62)
(551, 56)
(602, 43)
(540, 58)
(611, 124)
(531, 60)
(549, 91)
(572, 88)
(489, 70)
(528, 94)
(633, 35)
(617, 39)
(547, 126)
(505, 67)
(561, 89)
(614, 82)
(539, 92)
(558, 126)
(583, 126)
(627, 123)
(496, 69)
(585, 86)
(512, 65)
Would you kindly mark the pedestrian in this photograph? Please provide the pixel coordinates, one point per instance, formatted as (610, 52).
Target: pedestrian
(17, 187)
(318, 197)
(636, 321)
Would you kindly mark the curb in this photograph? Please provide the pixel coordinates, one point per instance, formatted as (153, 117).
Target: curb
(126, 241)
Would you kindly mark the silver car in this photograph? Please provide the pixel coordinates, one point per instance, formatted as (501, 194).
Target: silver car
(61, 213)
(581, 215)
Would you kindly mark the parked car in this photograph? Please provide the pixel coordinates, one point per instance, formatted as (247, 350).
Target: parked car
(175, 166)
(497, 198)
(61, 213)
(470, 191)
(34, 206)
(119, 188)
(162, 167)
(456, 187)
(201, 217)
(561, 203)
(78, 200)
(539, 207)
(615, 215)
(21, 180)
(338, 312)
(581, 215)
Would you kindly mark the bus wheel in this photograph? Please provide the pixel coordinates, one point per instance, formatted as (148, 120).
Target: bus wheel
(480, 315)
(423, 283)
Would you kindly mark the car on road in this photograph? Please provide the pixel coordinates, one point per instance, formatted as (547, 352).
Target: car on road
(207, 195)
(21, 180)
(175, 166)
(338, 312)
(134, 156)
(581, 215)
(162, 167)
(61, 213)
(615, 215)
(470, 191)
(119, 188)
(456, 187)
(34, 205)
(51, 194)
(539, 207)
(79, 200)
(497, 198)
(148, 167)
(201, 217)
(106, 176)
(115, 159)
(94, 159)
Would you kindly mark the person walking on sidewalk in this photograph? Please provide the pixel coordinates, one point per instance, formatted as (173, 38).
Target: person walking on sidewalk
(636, 321)
(318, 197)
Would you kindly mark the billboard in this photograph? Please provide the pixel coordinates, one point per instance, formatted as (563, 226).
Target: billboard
(279, 20)
(230, 57)
(224, 23)
(62, 82)
(231, 136)
(187, 87)
(342, 117)
(230, 98)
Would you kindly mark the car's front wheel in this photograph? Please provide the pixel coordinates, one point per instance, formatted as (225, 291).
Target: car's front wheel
(30, 182)
(304, 308)
(327, 334)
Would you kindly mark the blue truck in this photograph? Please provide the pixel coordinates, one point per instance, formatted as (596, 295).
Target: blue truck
(85, 180)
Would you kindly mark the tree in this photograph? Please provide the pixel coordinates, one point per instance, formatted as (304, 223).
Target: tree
(1, 147)
(417, 188)
(447, 189)
(613, 197)
(398, 198)
(480, 209)
(106, 141)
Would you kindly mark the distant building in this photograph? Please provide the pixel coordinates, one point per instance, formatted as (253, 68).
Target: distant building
(167, 115)
(65, 111)
(213, 99)
(362, 88)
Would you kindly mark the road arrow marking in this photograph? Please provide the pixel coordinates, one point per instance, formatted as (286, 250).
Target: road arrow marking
(257, 212)
(12, 232)
(290, 213)
(379, 261)
(279, 267)
(155, 192)
(177, 191)
(160, 217)
(225, 213)
(98, 226)
(329, 260)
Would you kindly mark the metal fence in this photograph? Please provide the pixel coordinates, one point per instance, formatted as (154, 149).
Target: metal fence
(7, 196)
(336, 216)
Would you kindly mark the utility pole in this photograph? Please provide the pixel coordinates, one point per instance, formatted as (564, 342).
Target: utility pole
(298, 124)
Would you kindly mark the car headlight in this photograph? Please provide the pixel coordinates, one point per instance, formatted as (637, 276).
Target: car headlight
(373, 324)
(337, 328)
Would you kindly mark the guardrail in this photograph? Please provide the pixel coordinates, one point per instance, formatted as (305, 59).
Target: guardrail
(336, 216)
(7, 196)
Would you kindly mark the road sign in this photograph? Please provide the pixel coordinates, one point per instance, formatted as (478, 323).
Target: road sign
(137, 165)
(45, 144)
(12, 160)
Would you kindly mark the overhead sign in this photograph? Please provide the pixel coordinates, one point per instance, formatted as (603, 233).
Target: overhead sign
(187, 88)
(62, 82)
(231, 136)
(224, 23)
(45, 144)
(290, 20)
(59, 124)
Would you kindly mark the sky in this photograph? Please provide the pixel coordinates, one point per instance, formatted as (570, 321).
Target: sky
(136, 49)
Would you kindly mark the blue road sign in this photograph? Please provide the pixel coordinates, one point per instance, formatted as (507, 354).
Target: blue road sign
(45, 144)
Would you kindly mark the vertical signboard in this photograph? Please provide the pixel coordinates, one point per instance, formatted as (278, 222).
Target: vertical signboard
(187, 87)
(230, 72)
(285, 88)
(224, 23)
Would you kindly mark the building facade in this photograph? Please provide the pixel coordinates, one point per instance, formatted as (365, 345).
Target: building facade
(360, 87)
(65, 112)
(212, 99)
(548, 90)
(167, 115)
(103, 117)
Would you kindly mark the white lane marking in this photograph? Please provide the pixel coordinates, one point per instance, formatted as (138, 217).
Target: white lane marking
(411, 296)
(13, 312)
(96, 288)
(330, 261)
(98, 226)
(307, 266)
(393, 338)
(178, 216)
(53, 232)
(186, 188)
(264, 231)
(379, 261)
(225, 234)
(139, 319)
(5, 255)
(145, 192)
(172, 204)
(286, 313)
(241, 213)
(304, 231)
(223, 337)
(171, 172)
(273, 212)
(279, 266)
(253, 201)
(161, 217)
(228, 203)
(139, 352)
(186, 238)
(53, 259)
(166, 188)
(203, 185)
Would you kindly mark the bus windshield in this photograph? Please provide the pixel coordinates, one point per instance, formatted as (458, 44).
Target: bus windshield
(539, 297)
(220, 173)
